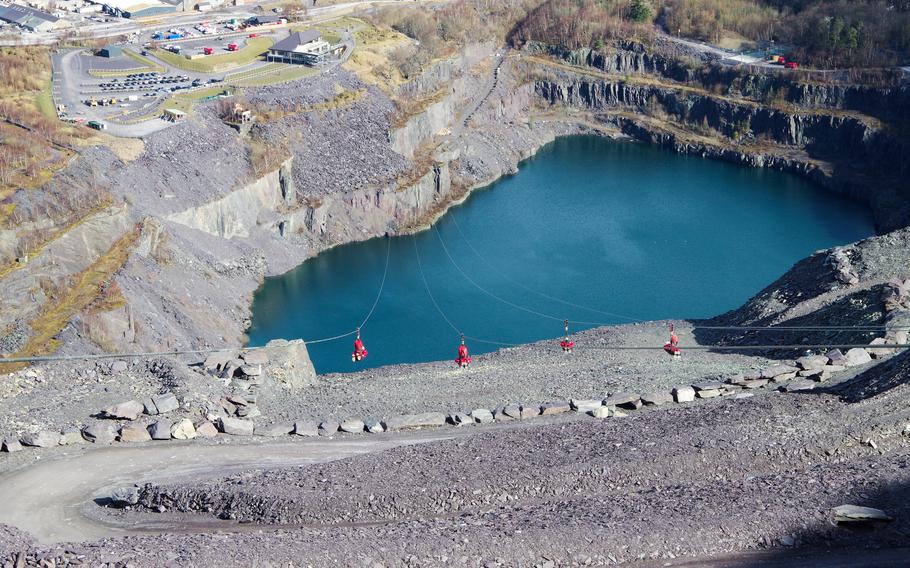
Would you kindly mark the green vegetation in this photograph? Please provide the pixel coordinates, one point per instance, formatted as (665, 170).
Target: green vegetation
(253, 49)
(585, 23)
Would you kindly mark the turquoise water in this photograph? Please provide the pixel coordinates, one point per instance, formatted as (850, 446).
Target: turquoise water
(620, 228)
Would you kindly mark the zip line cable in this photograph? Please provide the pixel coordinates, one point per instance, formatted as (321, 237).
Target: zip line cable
(531, 290)
(385, 272)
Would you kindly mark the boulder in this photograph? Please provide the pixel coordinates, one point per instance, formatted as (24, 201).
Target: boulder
(482, 416)
(165, 403)
(812, 362)
(856, 357)
(585, 405)
(550, 408)
(708, 385)
(161, 429)
(811, 373)
(235, 426)
(205, 429)
(353, 426)
(328, 428)
(237, 400)
(230, 369)
(512, 411)
(777, 371)
(306, 428)
(755, 383)
(836, 357)
(602, 412)
(857, 514)
(255, 357)
(10, 445)
(289, 363)
(249, 411)
(251, 370)
(628, 400)
(834, 368)
(374, 426)
(119, 367)
(71, 436)
(129, 410)
(708, 393)
(148, 407)
(99, 433)
(135, 433)
(876, 350)
(657, 398)
(215, 362)
(798, 385)
(43, 439)
(530, 411)
(183, 430)
(273, 430)
(684, 394)
(406, 421)
(125, 496)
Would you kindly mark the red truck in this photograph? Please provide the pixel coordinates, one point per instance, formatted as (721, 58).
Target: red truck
(208, 50)
(791, 65)
(232, 47)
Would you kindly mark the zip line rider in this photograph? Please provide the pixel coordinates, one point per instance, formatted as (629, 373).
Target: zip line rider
(360, 352)
(464, 359)
(567, 344)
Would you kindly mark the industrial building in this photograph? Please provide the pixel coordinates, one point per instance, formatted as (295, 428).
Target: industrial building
(138, 8)
(300, 48)
(110, 51)
(28, 18)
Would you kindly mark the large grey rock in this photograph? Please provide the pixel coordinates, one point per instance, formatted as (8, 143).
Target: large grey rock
(99, 433)
(43, 439)
(328, 428)
(407, 421)
(71, 436)
(249, 411)
(856, 357)
(530, 411)
(235, 426)
(273, 430)
(657, 398)
(148, 406)
(811, 373)
(160, 429)
(352, 426)
(129, 410)
(165, 403)
(256, 357)
(585, 405)
(836, 357)
(777, 371)
(684, 394)
(373, 426)
(628, 400)
(812, 362)
(550, 408)
(205, 429)
(857, 514)
(306, 428)
(251, 370)
(708, 385)
(119, 367)
(125, 496)
(512, 411)
(755, 383)
(709, 393)
(215, 362)
(603, 412)
(132, 433)
(289, 364)
(183, 430)
(877, 348)
(482, 416)
(798, 385)
(11, 444)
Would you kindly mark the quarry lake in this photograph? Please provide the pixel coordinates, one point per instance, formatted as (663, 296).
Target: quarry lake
(590, 229)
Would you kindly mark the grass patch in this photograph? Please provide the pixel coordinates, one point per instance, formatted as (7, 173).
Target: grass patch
(283, 74)
(45, 102)
(86, 288)
(254, 48)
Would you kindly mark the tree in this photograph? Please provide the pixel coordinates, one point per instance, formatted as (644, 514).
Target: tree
(640, 11)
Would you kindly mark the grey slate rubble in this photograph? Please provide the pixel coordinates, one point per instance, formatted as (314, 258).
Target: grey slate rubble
(602, 412)
(99, 433)
(512, 411)
(165, 403)
(857, 514)
(657, 398)
(798, 385)
(205, 429)
(877, 348)
(812, 362)
(183, 430)
(405, 421)
(160, 429)
(585, 405)
(684, 394)
(235, 426)
(129, 410)
(836, 357)
(530, 411)
(778, 371)
(256, 357)
(306, 428)
(755, 383)
(374, 426)
(42, 439)
(125, 496)
(71, 436)
(131, 433)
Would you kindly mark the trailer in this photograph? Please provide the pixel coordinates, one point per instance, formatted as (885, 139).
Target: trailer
(95, 125)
